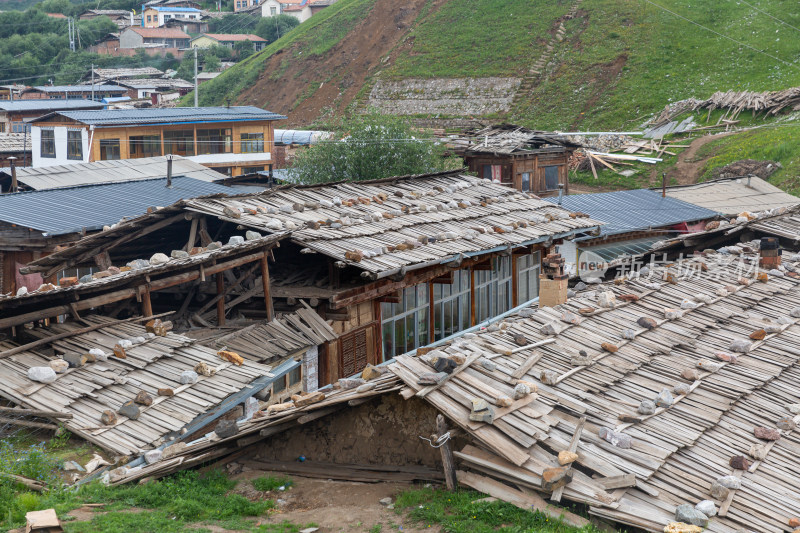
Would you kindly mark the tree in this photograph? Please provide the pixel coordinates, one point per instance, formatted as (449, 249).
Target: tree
(211, 63)
(273, 28)
(367, 147)
(243, 49)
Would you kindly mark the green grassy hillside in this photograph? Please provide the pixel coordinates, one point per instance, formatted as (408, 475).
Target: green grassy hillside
(619, 62)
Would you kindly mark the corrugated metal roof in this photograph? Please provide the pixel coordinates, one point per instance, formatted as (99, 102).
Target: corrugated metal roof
(733, 196)
(78, 88)
(69, 210)
(116, 117)
(48, 105)
(299, 136)
(636, 210)
(42, 178)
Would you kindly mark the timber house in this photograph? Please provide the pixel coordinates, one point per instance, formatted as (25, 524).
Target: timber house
(231, 140)
(392, 264)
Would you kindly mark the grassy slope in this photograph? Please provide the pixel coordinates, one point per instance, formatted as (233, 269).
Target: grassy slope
(314, 37)
(479, 38)
(665, 59)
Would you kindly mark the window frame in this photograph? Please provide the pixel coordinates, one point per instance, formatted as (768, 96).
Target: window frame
(544, 177)
(394, 315)
(205, 140)
(458, 298)
(528, 275)
(50, 154)
(186, 142)
(494, 283)
(254, 145)
(144, 140)
(72, 154)
(112, 143)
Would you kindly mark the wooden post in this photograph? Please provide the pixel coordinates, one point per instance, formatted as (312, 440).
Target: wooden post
(192, 234)
(147, 306)
(265, 282)
(447, 455)
(221, 302)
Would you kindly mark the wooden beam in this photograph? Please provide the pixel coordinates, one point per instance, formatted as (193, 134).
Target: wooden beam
(192, 234)
(241, 279)
(147, 305)
(25, 423)
(34, 412)
(427, 390)
(221, 300)
(265, 283)
(573, 447)
(447, 455)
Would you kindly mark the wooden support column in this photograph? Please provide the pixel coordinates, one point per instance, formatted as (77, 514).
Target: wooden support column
(221, 302)
(147, 306)
(447, 455)
(265, 283)
(192, 234)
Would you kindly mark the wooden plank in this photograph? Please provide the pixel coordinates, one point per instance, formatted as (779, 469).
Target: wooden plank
(573, 447)
(528, 501)
(618, 482)
(427, 390)
(526, 366)
(447, 455)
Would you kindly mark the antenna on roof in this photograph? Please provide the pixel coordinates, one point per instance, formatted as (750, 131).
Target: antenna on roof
(169, 171)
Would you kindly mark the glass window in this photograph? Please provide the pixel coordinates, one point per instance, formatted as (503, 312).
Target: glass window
(451, 308)
(551, 178)
(179, 142)
(525, 181)
(404, 325)
(279, 385)
(216, 141)
(252, 170)
(528, 268)
(252, 143)
(144, 146)
(493, 289)
(109, 149)
(295, 375)
(74, 145)
(2, 127)
(48, 148)
(273, 11)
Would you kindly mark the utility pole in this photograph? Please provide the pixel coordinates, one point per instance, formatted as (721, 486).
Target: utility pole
(195, 77)
(71, 31)
(92, 81)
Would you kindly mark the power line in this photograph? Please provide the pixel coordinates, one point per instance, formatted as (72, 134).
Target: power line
(770, 16)
(722, 35)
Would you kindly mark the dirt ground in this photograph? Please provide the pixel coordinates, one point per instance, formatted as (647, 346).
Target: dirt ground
(334, 505)
(687, 170)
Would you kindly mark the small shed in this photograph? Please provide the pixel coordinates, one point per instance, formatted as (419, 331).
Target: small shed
(527, 160)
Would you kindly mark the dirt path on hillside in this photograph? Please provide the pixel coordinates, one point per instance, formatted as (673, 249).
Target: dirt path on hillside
(688, 168)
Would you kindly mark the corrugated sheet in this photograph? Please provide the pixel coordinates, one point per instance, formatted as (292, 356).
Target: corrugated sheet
(115, 117)
(299, 136)
(77, 88)
(69, 210)
(15, 142)
(48, 105)
(637, 210)
(98, 172)
(733, 196)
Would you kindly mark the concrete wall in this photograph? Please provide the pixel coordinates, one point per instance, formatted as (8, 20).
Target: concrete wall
(130, 39)
(61, 147)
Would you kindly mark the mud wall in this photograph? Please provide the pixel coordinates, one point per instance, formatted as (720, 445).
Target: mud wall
(382, 431)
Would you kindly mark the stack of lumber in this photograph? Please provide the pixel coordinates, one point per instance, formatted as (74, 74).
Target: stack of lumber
(597, 359)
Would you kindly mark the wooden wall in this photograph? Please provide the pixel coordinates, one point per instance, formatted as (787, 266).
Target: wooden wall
(513, 166)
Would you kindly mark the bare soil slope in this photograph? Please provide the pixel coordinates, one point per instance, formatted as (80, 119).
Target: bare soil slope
(342, 71)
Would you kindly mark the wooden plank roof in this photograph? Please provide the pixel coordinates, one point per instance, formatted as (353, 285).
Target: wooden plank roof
(155, 362)
(386, 225)
(681, 449)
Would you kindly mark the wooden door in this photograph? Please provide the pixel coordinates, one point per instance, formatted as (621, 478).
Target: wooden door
(354, 352)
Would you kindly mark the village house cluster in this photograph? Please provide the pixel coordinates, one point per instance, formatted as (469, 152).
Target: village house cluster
(168, 286)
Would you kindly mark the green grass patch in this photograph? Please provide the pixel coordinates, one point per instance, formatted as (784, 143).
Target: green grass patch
(776, 142)
(283, 527)
(458, 512)
(268, 483)
(623, 61)
(479, 38)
